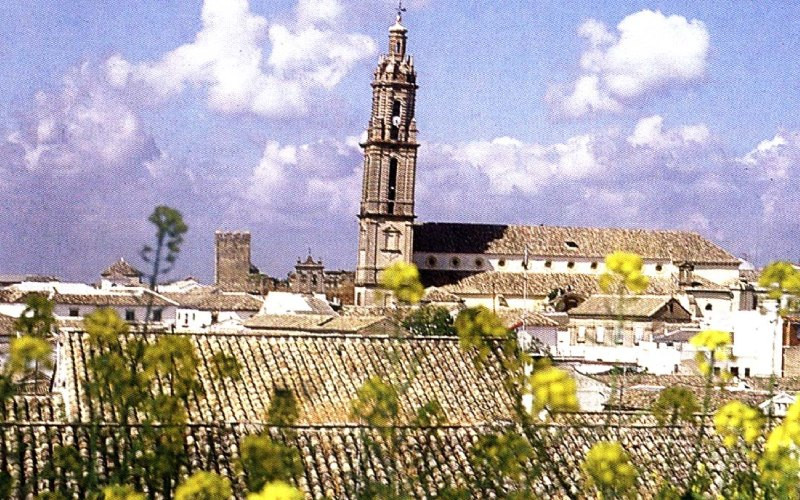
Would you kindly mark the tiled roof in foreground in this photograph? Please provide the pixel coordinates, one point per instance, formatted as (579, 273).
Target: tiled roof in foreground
(324, 372)
(338, 462)
(552, 241)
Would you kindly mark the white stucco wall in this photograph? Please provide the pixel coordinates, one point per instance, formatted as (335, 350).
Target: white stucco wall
(536, 264)
(167, 313)
(195, 319)
(718, 274)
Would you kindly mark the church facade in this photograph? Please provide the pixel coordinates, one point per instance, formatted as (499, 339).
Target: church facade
(482, 263)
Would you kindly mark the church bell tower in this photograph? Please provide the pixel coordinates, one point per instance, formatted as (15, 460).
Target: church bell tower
(387, 216)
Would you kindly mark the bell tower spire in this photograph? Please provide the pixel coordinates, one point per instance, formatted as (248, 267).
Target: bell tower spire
(386, 217)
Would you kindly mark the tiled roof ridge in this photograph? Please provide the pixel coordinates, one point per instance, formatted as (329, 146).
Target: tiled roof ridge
(297, 334)
(577, 228)
(503, 424)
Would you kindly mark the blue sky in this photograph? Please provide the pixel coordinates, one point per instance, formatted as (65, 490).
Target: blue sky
(246, 116)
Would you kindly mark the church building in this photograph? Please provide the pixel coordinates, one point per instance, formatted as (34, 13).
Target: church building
(484, 263)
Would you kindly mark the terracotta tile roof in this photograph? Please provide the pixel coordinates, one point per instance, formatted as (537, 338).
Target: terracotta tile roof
(215, 300)
(293, 322)
(133, 298)
(121, 269)
(551, 241)
(640, 391)
(438, 295)
(324, 372)
(13, 295)
(513, 318)
(337, 462)
(513, 284)
(315, 323)
(349, 310)
(35, 408)
(7, 325)
(679, 335)
(641, 306)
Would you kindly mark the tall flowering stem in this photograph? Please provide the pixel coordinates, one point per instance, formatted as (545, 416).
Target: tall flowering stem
(623, 276)
(713, 346)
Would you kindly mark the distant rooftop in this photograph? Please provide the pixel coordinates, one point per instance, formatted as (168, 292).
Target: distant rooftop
(554, 241)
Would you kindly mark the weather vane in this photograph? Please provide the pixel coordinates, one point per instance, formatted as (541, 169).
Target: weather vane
(400, 9)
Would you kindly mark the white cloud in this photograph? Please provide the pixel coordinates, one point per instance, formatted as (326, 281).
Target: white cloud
(510, 164)
(649, 52)
(317, 179)
(775, 158)
(650, 132)
(83, 127)
(776, 164)
(228, 58)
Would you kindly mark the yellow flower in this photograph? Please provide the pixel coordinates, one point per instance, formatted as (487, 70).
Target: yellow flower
(403, 279)
(26, 350)
(277, 490)
(624, 262)
(474, 325)
(204, 485)
(624, 268)
(553, 389)
(711, 339)
(637, 282)
(735, 420)
(609, 467)
(119, 492)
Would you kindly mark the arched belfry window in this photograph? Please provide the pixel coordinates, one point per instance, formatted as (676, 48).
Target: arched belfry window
(392, 191)
(395, 132)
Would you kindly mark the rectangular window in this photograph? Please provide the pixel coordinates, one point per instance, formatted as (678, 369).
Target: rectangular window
(130, 315)
(618, 336)
(581, 334)
(638, 334)
(157, 314)
(74, 312)
(600, 334)
(391, 241)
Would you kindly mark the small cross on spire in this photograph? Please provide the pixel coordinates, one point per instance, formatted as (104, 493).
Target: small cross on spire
(400, 10)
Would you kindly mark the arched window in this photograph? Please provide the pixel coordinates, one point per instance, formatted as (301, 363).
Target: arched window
(395, 132)
(709, 307)
(392, 191)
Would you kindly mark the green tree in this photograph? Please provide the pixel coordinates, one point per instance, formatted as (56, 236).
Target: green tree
(170, 229)
(782, 281)
(283, 408)
(27, 355)
(263, 461)
(430, 321)
(37, 319)
(675, 404)
(501, 460)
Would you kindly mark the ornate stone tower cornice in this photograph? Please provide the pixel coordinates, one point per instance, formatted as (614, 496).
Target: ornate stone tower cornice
(390, 163)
